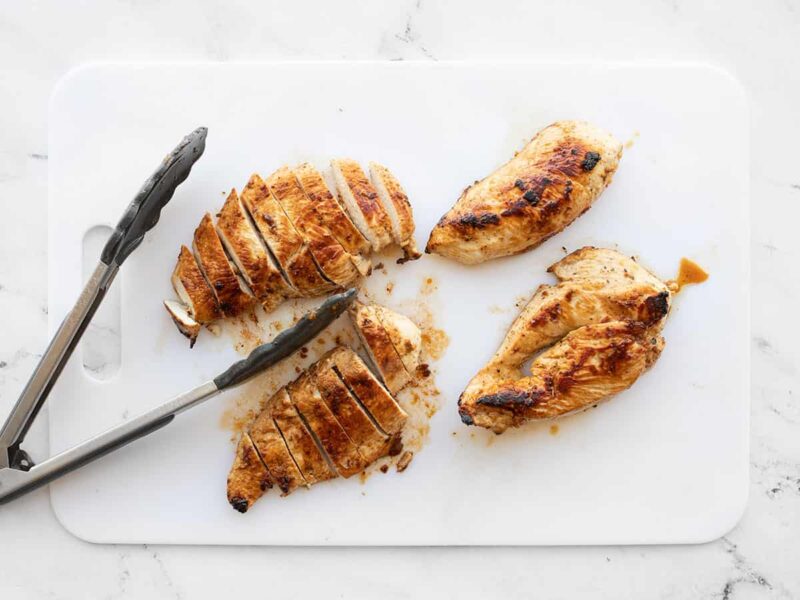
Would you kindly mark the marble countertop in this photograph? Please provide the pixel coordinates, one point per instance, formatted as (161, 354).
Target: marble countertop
(758, 42)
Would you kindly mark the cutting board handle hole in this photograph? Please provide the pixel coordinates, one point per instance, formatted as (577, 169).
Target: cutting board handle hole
(101, 345)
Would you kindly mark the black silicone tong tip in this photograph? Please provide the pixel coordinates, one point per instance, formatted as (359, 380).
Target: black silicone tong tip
(145, 209)
(288, 341)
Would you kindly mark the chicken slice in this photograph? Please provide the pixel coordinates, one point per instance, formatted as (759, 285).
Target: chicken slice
(273, 451)
(333, 216)
(371, 441)
(363, 203)
(250, 254)
(404, 334)
(183, 320)
(331, 258)
(591, 364)
(193, 289)
(597, 285)
(395, 201)
(248, 478)
(287, 246)
(310, 460)
(341, 450)
(548, 184)
(231, 292)
(364, 386)
(379, 346)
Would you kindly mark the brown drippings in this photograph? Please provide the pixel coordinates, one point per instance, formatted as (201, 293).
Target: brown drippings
(428, 286)
(629, 143)
(389, 287)
(404, 461)
(689, 273)
(435, 342)
(553, 429)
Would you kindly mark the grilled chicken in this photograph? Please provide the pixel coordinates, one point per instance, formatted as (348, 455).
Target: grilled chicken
(398, 208)
(183, 320)
(334, 217)
(284, 237)
(250, 254)
(331, 258)
(379, 346)
(611, 311)
(273, 451)
(362, 202)
(248, 478)
(341, 450)
(404, 334)
(193, 289)
(292, 254)
(335, 419)
(548, 184)
(231, 291)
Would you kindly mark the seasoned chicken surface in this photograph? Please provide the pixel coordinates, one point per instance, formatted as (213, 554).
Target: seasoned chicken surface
(334, 419)
(362, 201)
(250, 254)
(248, 478)
(404, 335)
(398, 208)
(231, 291)
(284, 237)
(603, 317)
(548, 184)
(193, 289)
(333, 216)
(293, 255)
(379, 346)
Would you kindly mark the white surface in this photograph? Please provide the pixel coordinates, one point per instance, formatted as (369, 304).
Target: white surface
(757, 41)
(665, 462)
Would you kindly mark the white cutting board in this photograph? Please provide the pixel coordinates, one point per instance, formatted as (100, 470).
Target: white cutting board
(665, 462)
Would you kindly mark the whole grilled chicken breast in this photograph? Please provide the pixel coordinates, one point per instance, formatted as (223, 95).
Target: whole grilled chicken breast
(548, 184)
(597, 286)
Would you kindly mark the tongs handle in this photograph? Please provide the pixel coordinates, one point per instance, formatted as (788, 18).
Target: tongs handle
(140, 216)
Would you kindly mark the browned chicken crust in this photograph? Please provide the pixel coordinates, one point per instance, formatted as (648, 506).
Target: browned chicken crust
(597, 287)
(287, 245)
(372, 443)
(331, 258)
(250, 255)
(548, 184)
(333, 216)
(361, 382)
(301, 444)
(379, 346)
(274, 453)
(248, 478)
(208, 250)
(332, 437)
(193, 289)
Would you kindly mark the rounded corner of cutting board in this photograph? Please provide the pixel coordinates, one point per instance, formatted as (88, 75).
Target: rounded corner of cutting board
(64, 516)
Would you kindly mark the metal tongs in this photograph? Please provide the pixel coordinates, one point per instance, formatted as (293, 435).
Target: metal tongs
(18, 472)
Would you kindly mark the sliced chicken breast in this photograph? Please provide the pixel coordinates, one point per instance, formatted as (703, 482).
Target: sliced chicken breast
(333, 261)
(333, 216)
(357, 423)
(545, 187)
(250, 254)
(307, 455)
(395, 201)
(363, 204)
(285, 243)
(340, 449)
(231, 292)
(273, 451)
(248, 478)
(404, 334)
(379, 347)
(361, 382)
(183, 320)
(193, 289)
